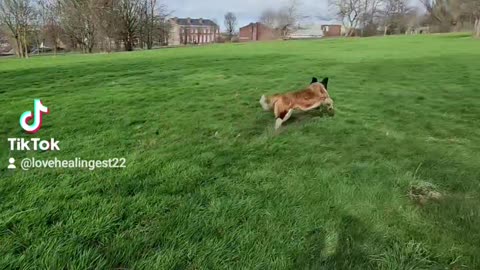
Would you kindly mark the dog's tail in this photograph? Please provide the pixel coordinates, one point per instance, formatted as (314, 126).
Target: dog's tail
(264, 102)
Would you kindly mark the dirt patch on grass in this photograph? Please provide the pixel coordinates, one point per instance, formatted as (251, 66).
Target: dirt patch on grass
(423, 193)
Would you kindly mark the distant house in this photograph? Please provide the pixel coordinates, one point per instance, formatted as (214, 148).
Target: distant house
(332, 30)
(307, 32)
(5, 47)
(415, 30)
(256, 32)
(193, 31)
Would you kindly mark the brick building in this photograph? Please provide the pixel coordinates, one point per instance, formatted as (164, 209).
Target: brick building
(332, 30)
(192, 31)
(256, 32)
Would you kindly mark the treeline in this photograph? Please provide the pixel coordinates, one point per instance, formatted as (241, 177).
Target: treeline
(399, 16)
(454, 15)
(384, 17)
(85, 25)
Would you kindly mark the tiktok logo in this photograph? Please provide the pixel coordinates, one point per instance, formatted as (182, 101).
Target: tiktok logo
(37, 115)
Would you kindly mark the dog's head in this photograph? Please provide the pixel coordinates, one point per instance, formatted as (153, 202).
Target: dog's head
(324, 82)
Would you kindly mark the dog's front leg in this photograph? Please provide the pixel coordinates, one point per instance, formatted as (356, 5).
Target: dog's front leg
(330, 108)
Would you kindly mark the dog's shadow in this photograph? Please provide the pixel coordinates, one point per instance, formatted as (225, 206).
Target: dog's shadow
(298, 117)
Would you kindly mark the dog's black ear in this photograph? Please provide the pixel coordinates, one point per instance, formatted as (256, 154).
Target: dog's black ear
(314, 80)
(325, 82)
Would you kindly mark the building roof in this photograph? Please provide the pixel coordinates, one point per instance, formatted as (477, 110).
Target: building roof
(255, 23)
(194, 22)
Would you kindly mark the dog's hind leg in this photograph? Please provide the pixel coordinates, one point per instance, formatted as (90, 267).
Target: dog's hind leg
(283, 117)
(278, 123)
(281, 112)
(287, 116)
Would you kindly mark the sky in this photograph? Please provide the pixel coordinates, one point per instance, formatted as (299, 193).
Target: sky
(247, 11)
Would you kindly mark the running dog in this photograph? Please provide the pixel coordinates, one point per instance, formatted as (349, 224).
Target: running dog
(312, 97)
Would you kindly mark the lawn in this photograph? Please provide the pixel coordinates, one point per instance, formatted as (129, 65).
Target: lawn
(209, 184)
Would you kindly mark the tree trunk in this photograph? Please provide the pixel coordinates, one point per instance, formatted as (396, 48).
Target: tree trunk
(55, 45)
(477, 28)
(108, 46)
(18, 49)
(128, 44)
(90, 47)
(25, 44)
(149, 38)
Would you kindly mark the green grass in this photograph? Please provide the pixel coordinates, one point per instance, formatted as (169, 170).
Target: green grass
(210, 185)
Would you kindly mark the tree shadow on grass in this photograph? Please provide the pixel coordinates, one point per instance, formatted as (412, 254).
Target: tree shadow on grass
(459, 216)
(358, 247)
(348, 254)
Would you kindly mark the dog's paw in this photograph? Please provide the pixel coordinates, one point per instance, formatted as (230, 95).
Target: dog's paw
(331, 112)
(278, 123)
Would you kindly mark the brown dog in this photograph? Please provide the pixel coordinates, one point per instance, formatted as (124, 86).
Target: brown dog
(314, 96)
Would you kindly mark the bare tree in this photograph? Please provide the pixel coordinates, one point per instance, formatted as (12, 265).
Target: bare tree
(230, 24)
(163, 30)
(17, 15)
(288, 17)
(369, 16)
(269, 18)
(284, 19)
(153, 25)
(79, 19)
(129, 16)
(147, 23)
(446, 14)
(453, 14)
(438, 10)
(162, 26)
(108, 31)
(477, 25)
(349, 12)
(394, 14)
(472, 7)
(49, 12)
(85, 24)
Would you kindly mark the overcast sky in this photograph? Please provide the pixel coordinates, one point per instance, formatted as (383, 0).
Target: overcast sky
(248, 11)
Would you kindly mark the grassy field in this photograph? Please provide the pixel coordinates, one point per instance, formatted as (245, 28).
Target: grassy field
(391, 182)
